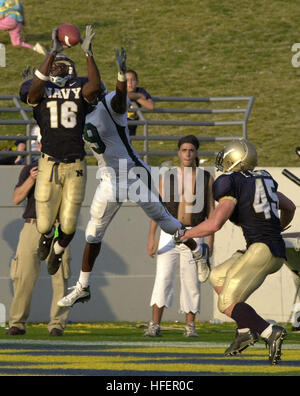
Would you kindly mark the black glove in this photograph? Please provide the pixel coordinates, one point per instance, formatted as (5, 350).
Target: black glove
(86, 44)
(56, 44)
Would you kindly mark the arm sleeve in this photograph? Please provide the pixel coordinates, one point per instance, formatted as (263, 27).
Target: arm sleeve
(224, 187)
(144, 92)
(23, 175)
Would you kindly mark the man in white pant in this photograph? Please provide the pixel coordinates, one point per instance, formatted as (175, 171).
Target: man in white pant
(106, 132)
(178, 188)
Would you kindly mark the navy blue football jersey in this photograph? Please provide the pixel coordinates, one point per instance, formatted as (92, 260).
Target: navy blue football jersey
(61, 117)
(256, 211)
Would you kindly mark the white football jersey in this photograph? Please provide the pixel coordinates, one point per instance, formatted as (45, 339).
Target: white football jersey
(109, 142)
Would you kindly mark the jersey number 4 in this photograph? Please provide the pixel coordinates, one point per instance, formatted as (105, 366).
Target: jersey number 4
(266, 199)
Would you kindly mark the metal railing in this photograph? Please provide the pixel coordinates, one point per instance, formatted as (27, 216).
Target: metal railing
(146, 137)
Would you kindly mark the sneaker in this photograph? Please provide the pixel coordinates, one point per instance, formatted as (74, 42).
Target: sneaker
(190, 330)
(274, 342)
(40, 49)
(241, 342)
(44, 247)
(203, 263)
(153, 330)
(15, 331)
(56, 332)
(78, 294)
(54, 261)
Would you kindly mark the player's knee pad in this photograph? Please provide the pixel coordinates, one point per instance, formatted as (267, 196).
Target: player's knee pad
(223, 303)
(93, 232)
(43, 226)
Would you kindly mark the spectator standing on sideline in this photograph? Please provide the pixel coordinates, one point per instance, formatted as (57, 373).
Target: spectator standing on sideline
(12, 19)
(60, 103)
(138, 96)
(169, 255)
(26, 265)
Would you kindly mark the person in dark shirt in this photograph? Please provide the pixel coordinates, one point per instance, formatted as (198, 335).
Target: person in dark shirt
(60, 103)
(249, 198)
(13, 159)
(138, 96)
(26, 266)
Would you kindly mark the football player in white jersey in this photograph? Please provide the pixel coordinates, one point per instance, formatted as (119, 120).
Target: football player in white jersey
(106, 132)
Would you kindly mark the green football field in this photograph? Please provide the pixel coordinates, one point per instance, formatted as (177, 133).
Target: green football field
(119, 349)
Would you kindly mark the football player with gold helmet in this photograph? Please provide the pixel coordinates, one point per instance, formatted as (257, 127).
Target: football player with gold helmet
(61, 100)
(248, 198)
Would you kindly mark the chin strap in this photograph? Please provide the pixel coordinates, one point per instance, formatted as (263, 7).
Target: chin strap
(60, 81)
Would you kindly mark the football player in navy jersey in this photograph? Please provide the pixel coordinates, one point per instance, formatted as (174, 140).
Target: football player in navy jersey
(249, 198)
(60, 103)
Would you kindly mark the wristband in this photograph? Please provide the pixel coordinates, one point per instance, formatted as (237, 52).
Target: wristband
(41, 76)
(121, 77)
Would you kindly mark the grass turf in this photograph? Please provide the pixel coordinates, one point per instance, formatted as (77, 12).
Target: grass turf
(131, 332)
(119, 350)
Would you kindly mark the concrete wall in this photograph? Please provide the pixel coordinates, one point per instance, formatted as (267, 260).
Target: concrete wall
(123, 275)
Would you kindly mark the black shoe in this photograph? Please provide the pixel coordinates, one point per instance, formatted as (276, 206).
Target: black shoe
(15, 331)
(56, 332)
(54, 261)
(296, 328)
(241, 342)
(44, 247)
(274, 343)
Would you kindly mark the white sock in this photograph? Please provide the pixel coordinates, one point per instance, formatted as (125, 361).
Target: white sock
(57, 248)
(84, 279)
(266, 333)
(241, 331)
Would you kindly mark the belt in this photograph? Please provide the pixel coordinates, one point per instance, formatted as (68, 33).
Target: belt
(31, 221)
(70, 160)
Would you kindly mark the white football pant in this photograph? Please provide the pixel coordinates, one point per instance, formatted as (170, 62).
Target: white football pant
(169, 256)
(104, 207)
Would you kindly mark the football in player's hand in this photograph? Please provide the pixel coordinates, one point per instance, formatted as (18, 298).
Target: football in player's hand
(68, 34)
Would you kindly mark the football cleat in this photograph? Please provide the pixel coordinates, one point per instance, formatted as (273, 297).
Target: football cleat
(202, 262)
(54, 261)
(153, 330)
(44, 247)
(78, 294)
(241, 342)
(274, 342)
(190, 330)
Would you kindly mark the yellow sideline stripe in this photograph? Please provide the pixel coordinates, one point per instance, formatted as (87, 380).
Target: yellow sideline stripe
(65, 360)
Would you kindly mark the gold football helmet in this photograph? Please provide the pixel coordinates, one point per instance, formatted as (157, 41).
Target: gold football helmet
(238, 155)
